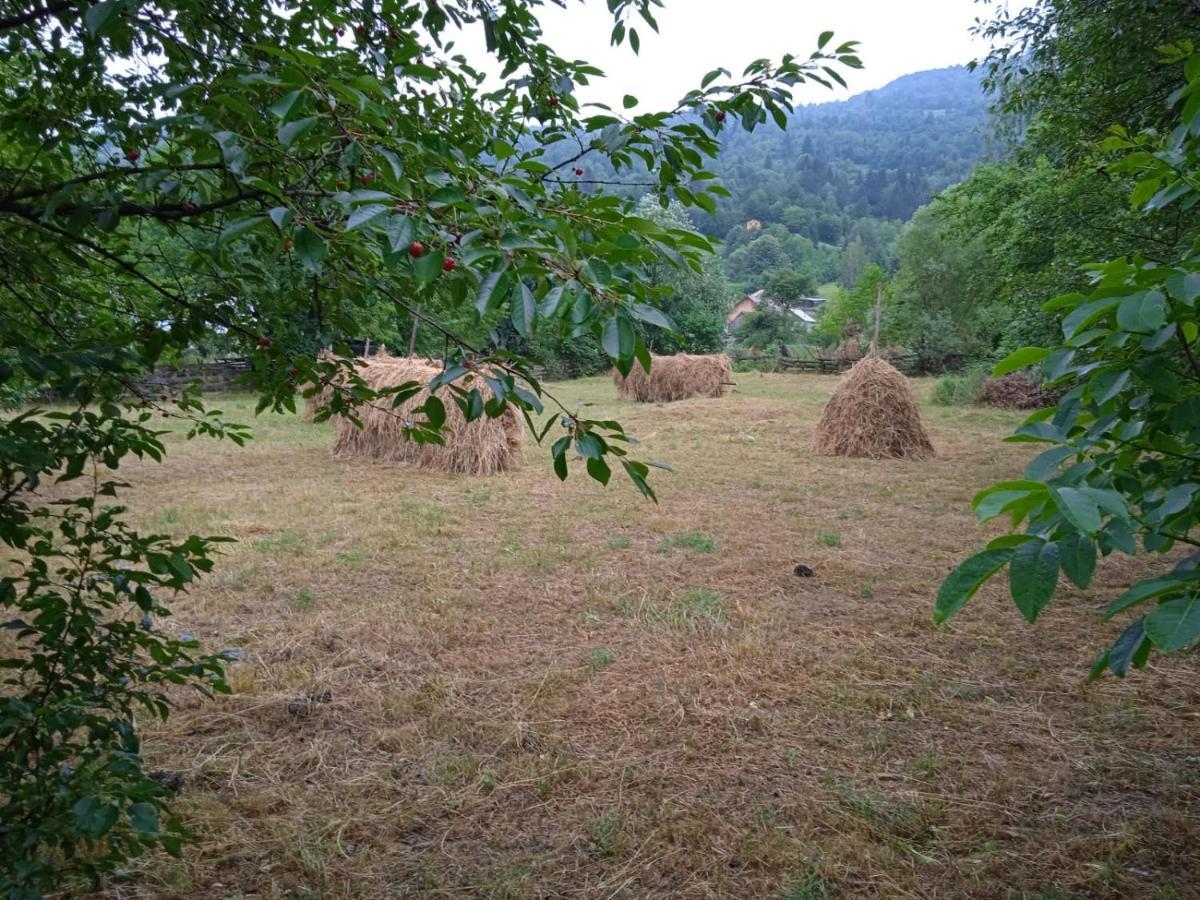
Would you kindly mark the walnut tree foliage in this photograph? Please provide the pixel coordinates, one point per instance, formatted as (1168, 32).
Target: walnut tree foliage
(1121, 471)
(266, 177)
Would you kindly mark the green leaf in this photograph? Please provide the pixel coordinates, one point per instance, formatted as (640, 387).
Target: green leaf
(94, 817)
(285, 104)
(1077, 555)
(961, 584)
(492, 290)
(559, 453)
(364, 214)
(427, 268)
(629, 101)
(1033, 576)
(1020, 359)
(282, 216)
(825, 38)
(1142, 313)
(1131, 648)
(1077, 508)
(1175, 624)
(599, 470)
(1170, 583)
(291, 131)
(524, 308)
(233, 229)
(101, 14)
(589, 445)
(310, 249)
(651, 315)
(144, 818)
(1046, 463)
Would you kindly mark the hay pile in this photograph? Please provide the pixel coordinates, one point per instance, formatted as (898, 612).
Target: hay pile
(482, 447)
(872, 413)
(676, 378)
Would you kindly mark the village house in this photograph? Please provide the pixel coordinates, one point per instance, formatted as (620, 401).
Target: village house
(804, 308)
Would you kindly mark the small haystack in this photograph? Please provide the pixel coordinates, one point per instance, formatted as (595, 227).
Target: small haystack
(676, 378)
(482, 447)
(872, 413)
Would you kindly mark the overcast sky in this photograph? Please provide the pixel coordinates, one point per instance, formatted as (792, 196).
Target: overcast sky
(897, 37)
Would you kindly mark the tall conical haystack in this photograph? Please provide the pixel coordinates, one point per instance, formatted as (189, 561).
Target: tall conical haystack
(873, 413)
(481, 447)
(676, 378)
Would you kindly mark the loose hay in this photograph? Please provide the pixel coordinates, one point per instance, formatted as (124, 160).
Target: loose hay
(676, 378)
(872, 413)
(482, 447)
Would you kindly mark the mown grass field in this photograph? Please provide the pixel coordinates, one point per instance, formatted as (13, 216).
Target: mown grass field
(512, 687)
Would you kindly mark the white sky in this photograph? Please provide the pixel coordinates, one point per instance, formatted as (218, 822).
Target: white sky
(896, 37)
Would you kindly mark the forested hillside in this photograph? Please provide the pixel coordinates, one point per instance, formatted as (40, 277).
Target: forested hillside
(832, 191)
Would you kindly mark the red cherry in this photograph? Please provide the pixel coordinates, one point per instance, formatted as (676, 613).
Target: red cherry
(579, 171)
(448, 264)
(552, 100)
(368, 177)
(189, 207)
(416, 248)
(264, 342)
(719, 115)
(291, 385)
(293, 372)
(133, 156)
(360, 30)
(339, 31)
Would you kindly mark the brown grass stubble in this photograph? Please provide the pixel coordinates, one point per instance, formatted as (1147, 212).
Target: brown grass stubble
(468, 747)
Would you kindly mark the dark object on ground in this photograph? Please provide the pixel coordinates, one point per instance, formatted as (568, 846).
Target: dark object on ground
(168, 778)
(1017, 390)
(803, 571)
(303, 705)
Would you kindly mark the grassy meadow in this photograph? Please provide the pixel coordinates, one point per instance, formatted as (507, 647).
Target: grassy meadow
(514, 687)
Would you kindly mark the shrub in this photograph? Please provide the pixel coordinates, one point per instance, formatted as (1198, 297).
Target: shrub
(959, 390)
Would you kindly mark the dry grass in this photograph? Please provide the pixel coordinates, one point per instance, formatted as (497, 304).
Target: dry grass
(535, 689)
(872, 414)
(677, 377)
(482, 447)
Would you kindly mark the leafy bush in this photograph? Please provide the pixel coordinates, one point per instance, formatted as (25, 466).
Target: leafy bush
(1122, 464)
(958, 390)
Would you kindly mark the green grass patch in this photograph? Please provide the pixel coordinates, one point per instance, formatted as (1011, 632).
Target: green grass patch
(696, 541)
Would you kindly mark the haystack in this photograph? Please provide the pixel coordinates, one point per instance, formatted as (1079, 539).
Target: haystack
(873, 413)
(676, 378)
(481, 447)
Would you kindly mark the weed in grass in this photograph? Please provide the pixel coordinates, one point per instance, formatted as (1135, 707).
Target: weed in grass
(696, 541)
(928, 764)
(604, 833)
(829, 539)
(306, 599)
(810, 886)
(886, 817)
(696, 610)
(620, 542)
(455, 771)
(479, 498)
(866, 591)
(354, 555)
(600, 657)
(286, 543)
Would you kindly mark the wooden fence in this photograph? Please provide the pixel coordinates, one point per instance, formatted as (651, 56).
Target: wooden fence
(216, 376)
(908, 363)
